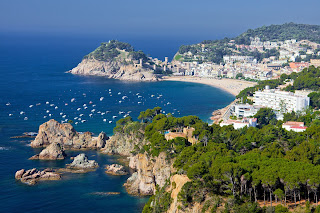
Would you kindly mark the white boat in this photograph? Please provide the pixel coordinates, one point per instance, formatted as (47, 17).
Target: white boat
(124, 97)
(56, 107)
(114, 116)
(8, 104)
(110, 122)
(22, 112)
(101, 99)
(93, 110)
(31, 106)
(83, 121)
(81, 115)
(38, 104)
(64, 116)
(90, 115)
(73, 99)
(47, 111)
(50, 115)
(119, 93)
(51, 105)
(10, 115)
(104, 120)
(78, 109)
(25, 118)
(61, 113)
(120, 102)
(44, 116)
(47, 102)
(139, 102)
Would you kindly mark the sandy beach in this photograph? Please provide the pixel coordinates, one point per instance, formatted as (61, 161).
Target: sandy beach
(232, 86)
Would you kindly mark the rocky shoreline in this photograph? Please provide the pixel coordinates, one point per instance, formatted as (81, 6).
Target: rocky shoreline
(113, 69)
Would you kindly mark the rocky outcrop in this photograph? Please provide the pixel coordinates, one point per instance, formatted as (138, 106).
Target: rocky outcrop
(53, 152)
(149, 173)
(99, 142)
(32, 176)
(115, 169)
(64, 134)
(81, 162)
(123, 144)
(114, 69)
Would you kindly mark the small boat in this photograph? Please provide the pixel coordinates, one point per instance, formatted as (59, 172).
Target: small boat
(114, 116)
(61, 113)
(51, 105)
(8, 104)
(25, 118)
(22, 112)
(31, 106)
(10, 115)
(73, 99)
(56, 107)
(110, 122)
(50, 115)
(104, 120)
(101, 99)
(120, 102)
(90, 102)
(119, 93)
(47, 102)
(78, 109)
(47, 111)
(38, 104)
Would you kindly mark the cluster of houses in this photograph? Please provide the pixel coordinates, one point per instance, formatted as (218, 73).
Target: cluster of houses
(248, 66)
(280, 101)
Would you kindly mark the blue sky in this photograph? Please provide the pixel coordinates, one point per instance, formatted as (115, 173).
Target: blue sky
(202, 18)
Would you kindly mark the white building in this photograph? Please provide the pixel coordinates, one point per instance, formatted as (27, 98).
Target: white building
(294, 126)
(238, 124)
(281, 100)
(244, 110)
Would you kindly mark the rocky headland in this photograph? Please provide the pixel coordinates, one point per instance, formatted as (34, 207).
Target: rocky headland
(32, 176)
(116, 60)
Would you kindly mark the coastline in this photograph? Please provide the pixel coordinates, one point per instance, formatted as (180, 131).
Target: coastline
(232, 86)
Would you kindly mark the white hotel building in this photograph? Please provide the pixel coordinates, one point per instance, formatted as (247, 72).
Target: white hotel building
(281, 100)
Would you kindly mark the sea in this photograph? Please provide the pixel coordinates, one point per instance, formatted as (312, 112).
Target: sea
(35, 88)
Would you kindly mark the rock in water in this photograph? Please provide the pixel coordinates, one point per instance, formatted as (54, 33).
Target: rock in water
(53, 131)
(115, 169)
(53, 152)
(81, 162)
(64, 134)
(32, 176)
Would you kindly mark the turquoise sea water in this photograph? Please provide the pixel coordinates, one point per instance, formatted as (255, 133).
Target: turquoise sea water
(32, 72)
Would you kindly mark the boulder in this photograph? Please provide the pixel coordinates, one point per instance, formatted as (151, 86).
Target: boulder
(115, 169)
(32, 176)
(53, 152)
(81, 162)
(53, 131)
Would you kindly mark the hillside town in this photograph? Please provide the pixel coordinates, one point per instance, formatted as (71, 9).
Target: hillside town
(291, 56)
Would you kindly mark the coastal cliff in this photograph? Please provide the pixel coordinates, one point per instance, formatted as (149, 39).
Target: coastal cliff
(150, 172)
(114, 69)
(117, 60)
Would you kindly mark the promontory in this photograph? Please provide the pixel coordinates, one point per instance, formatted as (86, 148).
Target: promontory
(118, 60)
